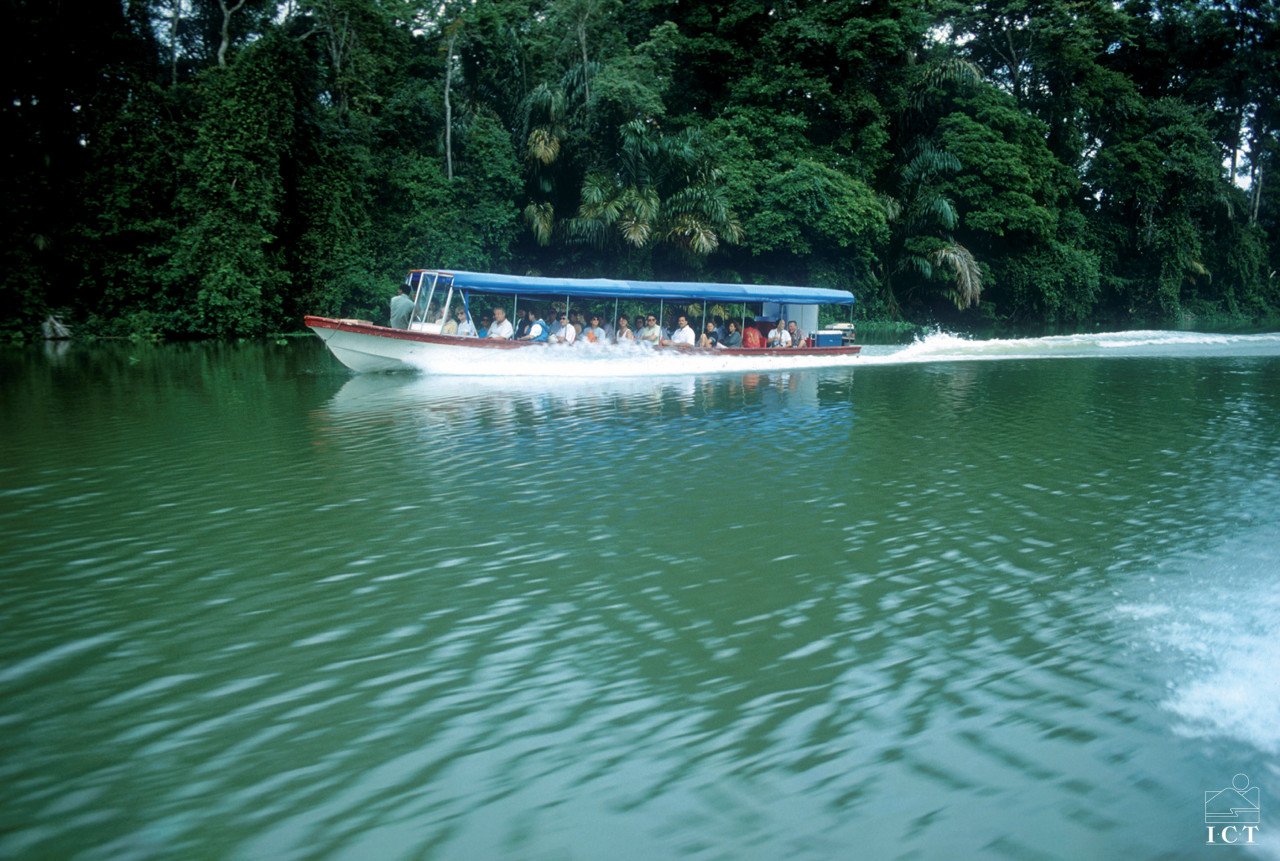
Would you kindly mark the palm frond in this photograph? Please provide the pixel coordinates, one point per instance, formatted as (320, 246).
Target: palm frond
(967, 288)
(542, 107)
(917, 262)
(543, 146)
(644, 202)
(541, 218)
(635, 231)
(590, 231)
(693, 235)
(891, 206)
(929, 161)
(943, 211)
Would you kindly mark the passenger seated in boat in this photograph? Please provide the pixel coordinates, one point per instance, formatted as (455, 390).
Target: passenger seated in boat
(485, 322)
(624, 332)
(721, 331)
(466, 329)
(797, 337)
(537, 330)
(401, 308)
(732, 338)
(567, 334)
(751, 338)
(708, 338)
(683, 335)
(451, 326)
(500, 328)
(593, 334)
(779, 336)
(522, 324)
(651, 333)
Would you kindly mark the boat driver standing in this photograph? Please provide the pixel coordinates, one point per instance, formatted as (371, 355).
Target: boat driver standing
(401, 308)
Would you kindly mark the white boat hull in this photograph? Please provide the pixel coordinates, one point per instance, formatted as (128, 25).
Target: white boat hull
(367, 348)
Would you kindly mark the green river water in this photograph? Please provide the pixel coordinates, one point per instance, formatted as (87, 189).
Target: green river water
(1007, 599)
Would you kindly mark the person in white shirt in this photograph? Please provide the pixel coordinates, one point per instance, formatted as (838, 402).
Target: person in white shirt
(466, 328)
(650, 333)
(567, 334)
(536, 328)
(683, 335)
(500, 327)
(779, 336)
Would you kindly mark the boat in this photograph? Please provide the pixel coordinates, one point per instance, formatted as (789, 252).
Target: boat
(439, 295)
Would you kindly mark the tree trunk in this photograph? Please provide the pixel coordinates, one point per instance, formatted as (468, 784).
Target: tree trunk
(340, 42)
(448, 109)
(226, 30)
(1257, 195)
(173, 43)
(582, 43)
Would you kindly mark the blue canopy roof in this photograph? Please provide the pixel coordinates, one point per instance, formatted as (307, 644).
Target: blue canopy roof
(610, 289)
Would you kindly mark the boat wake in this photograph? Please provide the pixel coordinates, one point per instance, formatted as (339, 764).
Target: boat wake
(640, 360)
(945, 347)
(1216, 615)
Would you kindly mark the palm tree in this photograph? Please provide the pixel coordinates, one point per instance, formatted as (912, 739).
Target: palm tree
(661, 191)
(544, 133)
(920, 220)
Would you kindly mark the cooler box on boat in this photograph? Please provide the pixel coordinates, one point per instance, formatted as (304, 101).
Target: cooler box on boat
(827, 338)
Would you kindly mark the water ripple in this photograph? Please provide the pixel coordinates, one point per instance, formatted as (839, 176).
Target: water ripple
(915, 609)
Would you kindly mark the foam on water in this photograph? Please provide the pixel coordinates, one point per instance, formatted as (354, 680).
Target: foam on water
(1218, 614)
(946, 347)
(615, 360)
(640, 360)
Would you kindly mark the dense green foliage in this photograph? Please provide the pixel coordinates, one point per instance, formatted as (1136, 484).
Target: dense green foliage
(192, 167)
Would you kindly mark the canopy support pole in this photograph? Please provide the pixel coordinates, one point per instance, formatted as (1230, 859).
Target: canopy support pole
(515, 313)
(703, 326)
(615, 320)
(661, 325)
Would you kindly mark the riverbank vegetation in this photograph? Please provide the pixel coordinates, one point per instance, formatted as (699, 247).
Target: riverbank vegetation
(222, 167)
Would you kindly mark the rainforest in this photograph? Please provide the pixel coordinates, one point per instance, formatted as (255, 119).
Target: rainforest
(219, 168)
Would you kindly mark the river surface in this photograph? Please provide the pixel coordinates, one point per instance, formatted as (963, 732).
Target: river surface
(1002, 599)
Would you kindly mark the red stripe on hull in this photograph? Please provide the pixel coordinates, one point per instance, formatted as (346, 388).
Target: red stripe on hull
(500, 344)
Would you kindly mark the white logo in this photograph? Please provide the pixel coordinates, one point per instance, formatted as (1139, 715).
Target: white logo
(1233, 814)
